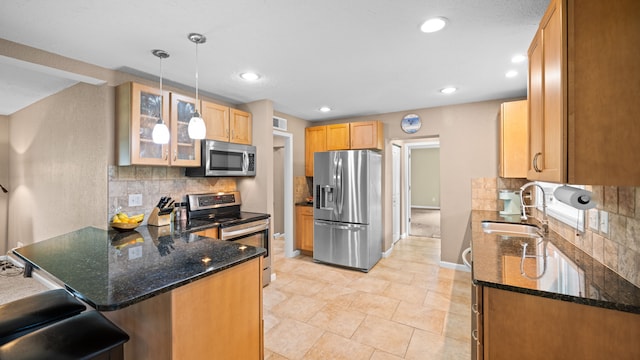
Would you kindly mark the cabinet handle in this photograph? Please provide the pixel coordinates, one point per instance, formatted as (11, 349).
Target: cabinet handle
(474, 308)
(474, 334)
(166, 154)
(535, 162)
(175, 155)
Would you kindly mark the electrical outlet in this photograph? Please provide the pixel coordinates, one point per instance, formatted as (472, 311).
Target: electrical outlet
(135, 200)
(604, 222)
(594, 223)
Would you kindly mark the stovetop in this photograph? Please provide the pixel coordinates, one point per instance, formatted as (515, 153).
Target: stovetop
(242, 217)
(217, 209)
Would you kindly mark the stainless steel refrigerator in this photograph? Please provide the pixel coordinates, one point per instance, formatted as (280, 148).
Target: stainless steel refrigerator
(347, 213)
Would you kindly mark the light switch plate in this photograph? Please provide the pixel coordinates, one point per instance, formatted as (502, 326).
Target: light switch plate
(594, 222)
(604, 222)
(135, 200)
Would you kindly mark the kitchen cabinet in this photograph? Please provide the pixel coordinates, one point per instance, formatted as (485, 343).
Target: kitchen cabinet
(513, 139)
(338, 137)
(345, 136)
(304, 228)
(583, 119)
(227, 124)
(367, 135)
(210, 233)
(138, 108)
(315, 141)
(515, 325)
(218, 315)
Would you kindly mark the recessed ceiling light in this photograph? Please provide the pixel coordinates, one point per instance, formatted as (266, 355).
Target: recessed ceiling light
(433, 24)
(518, 58)
(511, 73)
(448, 90)
(250, 76)
(325, 109)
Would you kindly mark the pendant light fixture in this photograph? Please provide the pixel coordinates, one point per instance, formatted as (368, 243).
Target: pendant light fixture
(160, 134)
(197, 129)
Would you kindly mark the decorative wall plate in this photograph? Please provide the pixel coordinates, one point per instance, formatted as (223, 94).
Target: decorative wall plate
(411, 123)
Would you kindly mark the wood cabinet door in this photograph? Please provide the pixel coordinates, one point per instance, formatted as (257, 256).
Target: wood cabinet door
(240, 126)
(338, 137)
(304, 228)
(554, 93)
(534, 164)
(366, 135)
(139, 108)
(315, 141)
(216, 119)
(514, 139)
(184, 150)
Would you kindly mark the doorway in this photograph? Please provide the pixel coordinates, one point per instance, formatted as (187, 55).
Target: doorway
(283, 189)
(422, 181)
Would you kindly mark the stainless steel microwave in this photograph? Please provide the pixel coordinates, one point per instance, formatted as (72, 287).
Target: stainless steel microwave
(221, 158)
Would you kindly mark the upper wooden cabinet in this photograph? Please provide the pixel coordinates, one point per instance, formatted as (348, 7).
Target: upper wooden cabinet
(514, 141)
(138, 108)
(345, 136)
(583, 119)
(367, 135)
(315, 141)
(241, 127)
(227, 124)
(338, 137)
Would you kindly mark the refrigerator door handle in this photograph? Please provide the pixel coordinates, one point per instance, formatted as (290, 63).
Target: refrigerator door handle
(339, 185)
(351, 227)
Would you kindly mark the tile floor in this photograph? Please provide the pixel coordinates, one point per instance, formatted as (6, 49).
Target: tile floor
(406, 307)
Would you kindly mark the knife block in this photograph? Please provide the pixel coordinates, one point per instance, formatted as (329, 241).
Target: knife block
(158, 220)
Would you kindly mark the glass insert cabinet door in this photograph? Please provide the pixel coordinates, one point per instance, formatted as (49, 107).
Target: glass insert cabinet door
(184, 150)
(148, 104)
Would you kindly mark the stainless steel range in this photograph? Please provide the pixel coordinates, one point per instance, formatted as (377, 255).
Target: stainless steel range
(223, 210)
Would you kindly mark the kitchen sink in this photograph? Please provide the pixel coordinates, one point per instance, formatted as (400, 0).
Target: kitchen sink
(511, 229)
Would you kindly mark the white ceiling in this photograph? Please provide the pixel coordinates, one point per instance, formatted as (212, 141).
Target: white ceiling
(360, 57)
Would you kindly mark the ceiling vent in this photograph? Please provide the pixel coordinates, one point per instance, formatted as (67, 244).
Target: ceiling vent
(279, 123)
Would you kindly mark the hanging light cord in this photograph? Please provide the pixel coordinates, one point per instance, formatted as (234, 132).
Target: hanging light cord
(197, 112)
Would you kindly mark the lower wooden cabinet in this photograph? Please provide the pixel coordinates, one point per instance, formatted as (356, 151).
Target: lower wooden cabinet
(304, 228)
(210, 233)
(514, 325)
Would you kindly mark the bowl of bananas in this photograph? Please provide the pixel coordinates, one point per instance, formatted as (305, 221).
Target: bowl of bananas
(122, 222)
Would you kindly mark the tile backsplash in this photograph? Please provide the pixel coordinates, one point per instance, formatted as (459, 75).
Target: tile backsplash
(155, 182)
(617, 245)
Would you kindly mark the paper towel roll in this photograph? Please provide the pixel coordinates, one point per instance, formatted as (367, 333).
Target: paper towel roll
(577, 198)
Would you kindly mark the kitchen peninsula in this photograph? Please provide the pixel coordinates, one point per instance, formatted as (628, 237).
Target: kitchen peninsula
(177, 294)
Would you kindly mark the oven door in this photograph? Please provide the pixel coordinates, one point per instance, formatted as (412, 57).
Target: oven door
(255, 233)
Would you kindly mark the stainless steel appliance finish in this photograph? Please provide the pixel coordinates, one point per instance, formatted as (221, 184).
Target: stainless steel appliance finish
(221, 158)
(223, 209)
(347, 190)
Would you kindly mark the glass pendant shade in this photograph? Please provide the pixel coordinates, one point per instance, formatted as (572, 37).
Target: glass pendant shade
(197, 129)
(160, 134)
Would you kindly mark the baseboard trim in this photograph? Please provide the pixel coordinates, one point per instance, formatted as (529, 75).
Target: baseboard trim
(454, 266)
(425, 207)
(386, 254)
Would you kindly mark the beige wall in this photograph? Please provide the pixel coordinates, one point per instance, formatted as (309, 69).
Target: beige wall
(425, 177)
(468, 149)
(4, 180)
(59, 149)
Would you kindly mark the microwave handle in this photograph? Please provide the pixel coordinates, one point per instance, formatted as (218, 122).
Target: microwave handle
(245, 161)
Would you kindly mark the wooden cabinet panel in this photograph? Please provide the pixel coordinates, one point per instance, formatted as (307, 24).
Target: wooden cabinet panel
(514, 139)
(240, 125)
(521, 326)
(367, 135)
(338, 137)
(211, 233)
(315, 141)
(216, 119)
(304, 228)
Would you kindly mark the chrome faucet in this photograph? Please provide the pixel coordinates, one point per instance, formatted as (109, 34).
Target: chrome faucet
(544, 221)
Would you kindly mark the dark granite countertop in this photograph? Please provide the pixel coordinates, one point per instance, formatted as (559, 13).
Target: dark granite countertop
(110, 270)
(568, 273)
